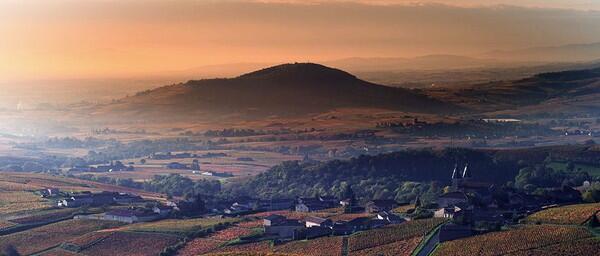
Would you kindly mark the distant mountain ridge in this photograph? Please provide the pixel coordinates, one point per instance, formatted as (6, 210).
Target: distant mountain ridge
(427, 62)
(283, 90)
(562, 53)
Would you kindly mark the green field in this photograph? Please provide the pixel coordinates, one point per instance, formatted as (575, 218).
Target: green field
(180, 225)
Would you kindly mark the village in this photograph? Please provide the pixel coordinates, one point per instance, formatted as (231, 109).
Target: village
(470, 207)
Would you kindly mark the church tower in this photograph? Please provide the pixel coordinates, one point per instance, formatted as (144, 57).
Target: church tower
(466, 173)
(456, 177)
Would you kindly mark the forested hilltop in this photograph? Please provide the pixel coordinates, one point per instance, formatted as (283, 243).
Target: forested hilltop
(400, 175)
(404, 175)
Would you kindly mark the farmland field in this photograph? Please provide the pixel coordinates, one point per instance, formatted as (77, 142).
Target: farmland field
(571, 214)
(38, 239)
(512, 241)
(391, 234)
(230, 162)
(131, 243)
(400, 248)
(180, 226)
(326, 246)
(6, 224)
(11, 181)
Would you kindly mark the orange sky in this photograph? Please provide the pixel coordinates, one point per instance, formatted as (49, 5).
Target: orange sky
(58, 39)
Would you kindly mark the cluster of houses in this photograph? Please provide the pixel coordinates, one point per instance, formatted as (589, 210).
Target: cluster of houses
(473, 207)
(575, 132)
(212, 173)
(131, 215)
(280, 228)
(195, 165)
(248, 205)
(98, 199)
(476, 207)
(302, 204)
(49, 192)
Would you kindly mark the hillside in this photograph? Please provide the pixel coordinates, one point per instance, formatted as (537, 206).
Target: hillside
(284, 90)
(566, 91)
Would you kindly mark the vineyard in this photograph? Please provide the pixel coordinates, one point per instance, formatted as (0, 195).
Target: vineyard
(21, 201)
(199, 246)
(250, 224)
(131, 243)
(45, 215)
(87, 239)
(231, 233)
(248, 254)
(260, 247)
(38, 239)
(180, 226)
(589, 246)
(391, 234)
(400, 248)
(6, 224)
(58, 252)
(34, 181)
(13, 186)
(512, 241)
(403, 209)
(350, 216)
(325, 246)
(571, 214)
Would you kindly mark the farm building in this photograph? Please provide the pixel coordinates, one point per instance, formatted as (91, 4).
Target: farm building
(317, 222)
(162, 210)
(314, 204)
(123, 198)
(451, 199)
(273, 220)
(130, 216)
(390, 217)
(375, 206)
(281, 227)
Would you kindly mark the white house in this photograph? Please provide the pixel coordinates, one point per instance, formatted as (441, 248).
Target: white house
(317, 222)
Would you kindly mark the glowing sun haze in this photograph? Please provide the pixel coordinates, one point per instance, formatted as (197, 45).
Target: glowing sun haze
(55, 39)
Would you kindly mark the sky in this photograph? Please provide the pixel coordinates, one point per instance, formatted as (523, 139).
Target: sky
(73, 39)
